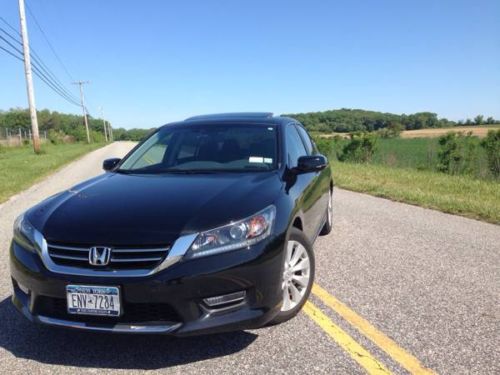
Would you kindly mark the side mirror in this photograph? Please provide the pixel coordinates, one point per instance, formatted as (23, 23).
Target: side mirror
(311, 163)
(110, 164)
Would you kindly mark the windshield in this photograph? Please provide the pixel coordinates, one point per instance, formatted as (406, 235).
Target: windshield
(204, 148)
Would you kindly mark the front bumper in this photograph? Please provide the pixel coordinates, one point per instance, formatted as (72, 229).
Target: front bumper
(168, 302)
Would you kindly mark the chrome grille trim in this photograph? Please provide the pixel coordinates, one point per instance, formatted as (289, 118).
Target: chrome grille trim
(69, 257)
(155, 259)
(71, 248)
(175, 255)
(141, 250)
(141, 258)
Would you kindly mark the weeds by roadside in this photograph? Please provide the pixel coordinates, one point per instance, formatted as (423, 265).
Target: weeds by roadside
(20, 167)
(456, 173)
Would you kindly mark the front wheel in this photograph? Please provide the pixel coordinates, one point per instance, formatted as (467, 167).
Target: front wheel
(298, 275)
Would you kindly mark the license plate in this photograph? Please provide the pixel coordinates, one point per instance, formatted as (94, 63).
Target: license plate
(93, 300)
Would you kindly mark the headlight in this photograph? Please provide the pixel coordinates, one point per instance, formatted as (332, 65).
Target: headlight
(26, 235)
(237, 235)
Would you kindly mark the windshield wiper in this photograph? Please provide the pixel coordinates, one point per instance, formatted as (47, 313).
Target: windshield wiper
(124, 171)
(188, 171)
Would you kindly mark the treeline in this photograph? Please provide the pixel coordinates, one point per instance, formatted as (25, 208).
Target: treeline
(61, 127)
(134, 134)
(358, 120)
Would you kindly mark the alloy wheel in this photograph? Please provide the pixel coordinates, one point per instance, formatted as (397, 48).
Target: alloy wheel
(296, 275)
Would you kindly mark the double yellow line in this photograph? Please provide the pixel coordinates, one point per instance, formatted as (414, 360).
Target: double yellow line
(354, 349)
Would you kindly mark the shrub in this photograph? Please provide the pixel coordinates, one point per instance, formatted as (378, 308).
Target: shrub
(360, 148)
(393, 130)
(325, 146)
(491, 144)
(56, 136)
(458, 153)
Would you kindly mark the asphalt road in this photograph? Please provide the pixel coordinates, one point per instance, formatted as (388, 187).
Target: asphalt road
(398, 289)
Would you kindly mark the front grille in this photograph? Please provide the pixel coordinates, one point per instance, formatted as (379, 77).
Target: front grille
(121, 257)
(132, 312)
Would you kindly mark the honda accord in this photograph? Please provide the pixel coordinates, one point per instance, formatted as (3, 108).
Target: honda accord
(206, 226)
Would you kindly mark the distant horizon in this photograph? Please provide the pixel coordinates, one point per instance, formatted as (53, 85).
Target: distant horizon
(154, 64)
(274, 113)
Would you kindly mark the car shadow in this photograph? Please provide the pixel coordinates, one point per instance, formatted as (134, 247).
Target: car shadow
(116, 351)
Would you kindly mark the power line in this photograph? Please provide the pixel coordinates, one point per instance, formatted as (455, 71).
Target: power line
(10, 26)
(48, 42)
(43, 66)
(10, 53)
(45, 77)
(49, 78)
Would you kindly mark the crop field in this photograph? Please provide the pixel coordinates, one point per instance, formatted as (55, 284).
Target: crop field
(478, 131)
(415, 153)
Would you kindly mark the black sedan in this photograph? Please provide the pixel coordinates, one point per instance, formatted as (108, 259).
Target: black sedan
(205, 226)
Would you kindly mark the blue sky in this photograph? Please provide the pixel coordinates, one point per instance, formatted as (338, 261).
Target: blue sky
(151, 62)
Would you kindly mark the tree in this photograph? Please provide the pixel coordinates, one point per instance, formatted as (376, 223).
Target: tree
(491, 144)
(479, 119)
(457, 153)
(64, 127)
(393, 130)
(360, 148)
(352, 120)
(490, 120)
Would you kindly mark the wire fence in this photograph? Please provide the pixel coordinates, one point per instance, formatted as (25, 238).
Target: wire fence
(18, 136)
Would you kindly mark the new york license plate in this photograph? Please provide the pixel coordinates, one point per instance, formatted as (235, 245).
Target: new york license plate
(93, 300)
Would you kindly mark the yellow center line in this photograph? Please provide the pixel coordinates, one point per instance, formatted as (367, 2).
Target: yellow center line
(405, 359)
(346, 342)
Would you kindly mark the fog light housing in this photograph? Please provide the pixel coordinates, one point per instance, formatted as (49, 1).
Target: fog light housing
(23, 288)
(225, 299)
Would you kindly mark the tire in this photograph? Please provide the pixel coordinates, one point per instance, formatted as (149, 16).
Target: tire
(298, 246)
(327, 227)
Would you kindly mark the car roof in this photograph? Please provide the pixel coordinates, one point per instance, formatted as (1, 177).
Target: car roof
(262, 118)
(232, 116)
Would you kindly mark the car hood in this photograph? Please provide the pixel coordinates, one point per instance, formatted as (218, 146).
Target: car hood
(117, 209)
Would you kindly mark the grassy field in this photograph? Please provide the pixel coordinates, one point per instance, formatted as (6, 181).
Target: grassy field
(20, 167)
(417, 153)
(461, 195)
(478, 131)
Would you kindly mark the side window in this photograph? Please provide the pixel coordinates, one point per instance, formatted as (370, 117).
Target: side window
(306, 139)
(295, 146)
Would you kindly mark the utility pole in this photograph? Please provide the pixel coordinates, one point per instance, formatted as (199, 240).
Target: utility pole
(82, 101)
(104, 124)
(29, 77)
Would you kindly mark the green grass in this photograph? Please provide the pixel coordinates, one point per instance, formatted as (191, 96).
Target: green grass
(20, 167)
(420, 153)
(417, 153)
(461, 195)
